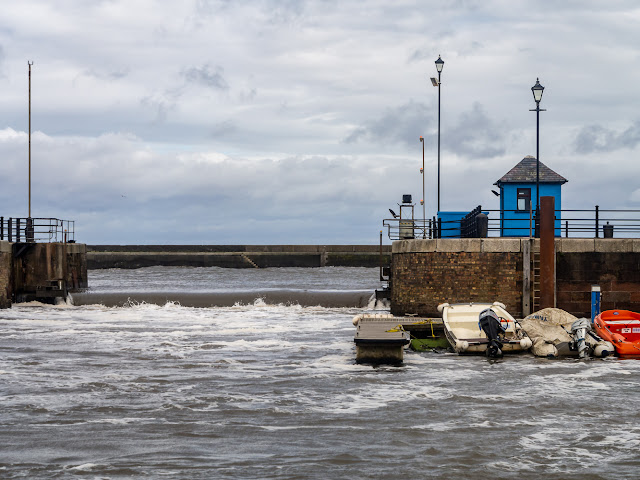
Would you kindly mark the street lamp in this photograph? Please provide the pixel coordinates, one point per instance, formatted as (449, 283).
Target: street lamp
(537, 90)
(436, 83)
(424, 214)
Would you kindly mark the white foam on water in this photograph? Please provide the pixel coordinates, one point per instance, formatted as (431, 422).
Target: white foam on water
(85, 467)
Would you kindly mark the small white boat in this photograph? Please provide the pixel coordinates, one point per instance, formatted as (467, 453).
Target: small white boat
(482, 328)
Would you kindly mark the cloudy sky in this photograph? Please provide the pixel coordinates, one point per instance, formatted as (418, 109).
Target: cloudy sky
(266, 122)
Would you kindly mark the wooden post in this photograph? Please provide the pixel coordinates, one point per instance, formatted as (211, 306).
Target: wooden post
(547, 253)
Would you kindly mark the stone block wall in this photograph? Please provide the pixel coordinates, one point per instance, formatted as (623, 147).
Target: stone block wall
(428, 272)
(431, 272)
(617, 273)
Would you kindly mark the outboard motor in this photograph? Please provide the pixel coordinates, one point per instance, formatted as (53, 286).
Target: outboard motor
(490, 324)
(579, 330)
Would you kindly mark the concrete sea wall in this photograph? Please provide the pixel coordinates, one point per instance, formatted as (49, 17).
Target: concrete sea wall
(40, 271)
(5, 275)
(426, 273)
(235, 256)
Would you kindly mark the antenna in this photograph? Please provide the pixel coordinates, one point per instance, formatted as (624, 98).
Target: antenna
(29, 63)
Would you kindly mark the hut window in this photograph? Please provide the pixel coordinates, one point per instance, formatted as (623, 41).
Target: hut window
(524, 199)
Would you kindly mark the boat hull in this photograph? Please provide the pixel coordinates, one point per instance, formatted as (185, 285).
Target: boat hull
(466, 337)
(621, 328)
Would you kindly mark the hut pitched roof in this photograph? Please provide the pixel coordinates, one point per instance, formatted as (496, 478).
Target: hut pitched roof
(525, 172)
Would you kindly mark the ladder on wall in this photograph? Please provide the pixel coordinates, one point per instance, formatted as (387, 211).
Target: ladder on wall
(535, 281)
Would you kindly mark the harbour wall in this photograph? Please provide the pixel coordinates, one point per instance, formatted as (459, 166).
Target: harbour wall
(5, 274)
(236, 256)
(425, 273)
(40, 271)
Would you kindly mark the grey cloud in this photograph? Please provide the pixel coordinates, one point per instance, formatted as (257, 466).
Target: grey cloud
(108, 74)
(161, 105)
(207, 76)
(476, 135)
(596, 138)
(118, 178)
(420, 55)
(473, 134)
(223, 129)
(403, 124)
(2, 57)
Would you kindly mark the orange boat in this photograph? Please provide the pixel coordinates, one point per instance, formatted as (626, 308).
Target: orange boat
(620, 327)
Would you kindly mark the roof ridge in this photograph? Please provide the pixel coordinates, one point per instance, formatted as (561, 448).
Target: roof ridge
(525, 172)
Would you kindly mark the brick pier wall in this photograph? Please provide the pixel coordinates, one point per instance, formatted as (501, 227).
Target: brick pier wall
(426, 273)
(614, 264)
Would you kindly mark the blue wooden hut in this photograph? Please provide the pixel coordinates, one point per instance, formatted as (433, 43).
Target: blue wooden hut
(518, 196)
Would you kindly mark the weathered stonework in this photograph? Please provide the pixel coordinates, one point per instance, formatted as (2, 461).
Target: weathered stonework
(485, 270)
(39, 270)
(5, 274)
(421, 281)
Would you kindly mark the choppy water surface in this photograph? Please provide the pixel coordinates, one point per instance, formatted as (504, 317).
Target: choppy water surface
(264, 391)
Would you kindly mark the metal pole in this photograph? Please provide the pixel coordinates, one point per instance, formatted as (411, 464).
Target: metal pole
(381, 276)
(538, 158)
(29, 63)
(597, 220)
(439, 141)
(424, 211)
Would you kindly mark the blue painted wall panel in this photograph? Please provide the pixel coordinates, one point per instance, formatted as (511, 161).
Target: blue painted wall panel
(516, 223)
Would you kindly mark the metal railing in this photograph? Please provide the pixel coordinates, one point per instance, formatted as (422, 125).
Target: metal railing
(581, 223)
(43, 230)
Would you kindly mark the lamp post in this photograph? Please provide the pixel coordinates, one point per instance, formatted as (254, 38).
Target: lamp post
(537, 90)
(29, 63)
(424, 214)
(439, 66)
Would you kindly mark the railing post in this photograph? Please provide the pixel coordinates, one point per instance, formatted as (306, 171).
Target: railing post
(29, 232)
(566, 228)
(1, 228)
(9, 229)
(439, 227)
(17, 230)
(597, 220)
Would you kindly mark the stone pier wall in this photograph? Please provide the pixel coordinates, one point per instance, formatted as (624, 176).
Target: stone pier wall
(426, 273)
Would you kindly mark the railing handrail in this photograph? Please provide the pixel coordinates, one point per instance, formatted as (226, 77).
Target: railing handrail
(37, 229)
(625, 221)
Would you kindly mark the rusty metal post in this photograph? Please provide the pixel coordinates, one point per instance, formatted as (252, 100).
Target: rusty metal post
(547, 253)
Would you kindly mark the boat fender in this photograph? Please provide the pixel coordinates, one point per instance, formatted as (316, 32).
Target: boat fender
(602, 351)
(356, 319)
(462, 345)
(499, 304)
(526, 343)
(442, 306)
